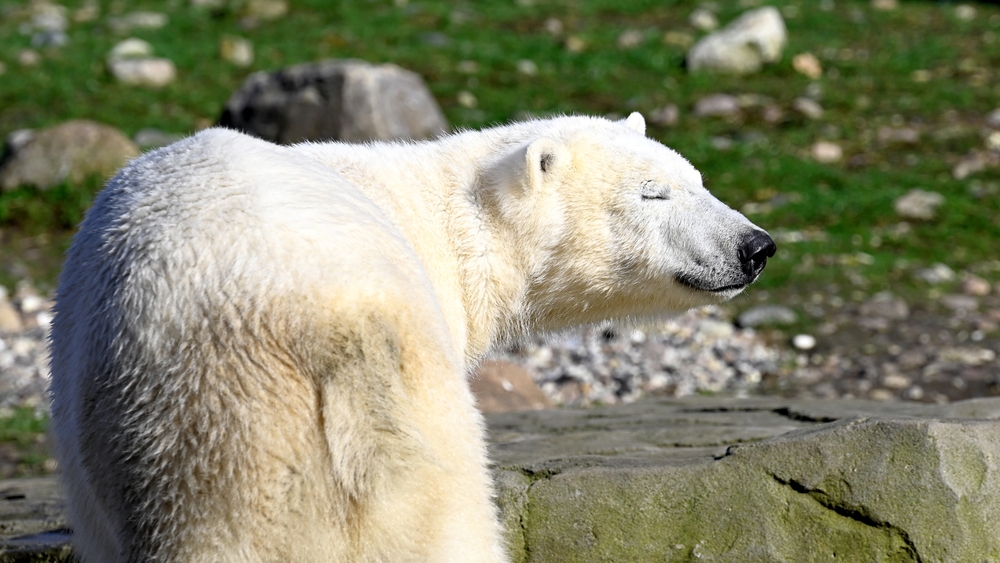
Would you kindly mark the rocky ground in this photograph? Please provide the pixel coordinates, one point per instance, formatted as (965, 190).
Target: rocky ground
(880, 348)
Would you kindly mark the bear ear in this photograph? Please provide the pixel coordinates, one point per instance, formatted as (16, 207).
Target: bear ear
(544, 158)
(636, 122)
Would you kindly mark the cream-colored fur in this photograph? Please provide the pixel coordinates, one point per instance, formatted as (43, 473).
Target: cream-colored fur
(259, 352)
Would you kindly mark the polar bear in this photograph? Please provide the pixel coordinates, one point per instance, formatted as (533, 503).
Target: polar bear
(260, 352)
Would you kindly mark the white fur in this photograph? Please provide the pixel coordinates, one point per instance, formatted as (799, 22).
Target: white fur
(259, 352)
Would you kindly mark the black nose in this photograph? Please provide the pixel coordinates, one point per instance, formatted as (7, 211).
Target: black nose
(757, 247)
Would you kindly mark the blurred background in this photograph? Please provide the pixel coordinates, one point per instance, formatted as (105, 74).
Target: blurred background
(864, 135)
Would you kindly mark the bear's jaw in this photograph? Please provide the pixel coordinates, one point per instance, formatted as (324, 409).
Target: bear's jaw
(725, 292)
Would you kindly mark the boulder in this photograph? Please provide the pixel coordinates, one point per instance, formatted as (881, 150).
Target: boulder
(751, 481)
(501, 386)
(744, 46)
(346, 100)
(70, 152)
(712, 479)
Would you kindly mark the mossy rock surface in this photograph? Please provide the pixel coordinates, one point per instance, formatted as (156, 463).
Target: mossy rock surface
(705, 479)
(752, 481)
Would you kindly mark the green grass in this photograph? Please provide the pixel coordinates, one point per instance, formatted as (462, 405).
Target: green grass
(869, 58)
(23, 448)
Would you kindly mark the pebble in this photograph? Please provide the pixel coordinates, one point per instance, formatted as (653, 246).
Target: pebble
(975, 285)
(138, 20)
(717, 105)
(937, 274)
(807, 64)
(993, 119)
(527, 67)
(698, 351)
(761, 315)
(960, 302)
(151, 72)
(804, 342)
(236, 50)
(666, 116)
(885, 305)
(27, 57)
(885, 5)
(918, 204)
(467, 99)
(703, 20)
(630, 38)
(808, 107)
(265, 10)
(678, 39)
(827, 152)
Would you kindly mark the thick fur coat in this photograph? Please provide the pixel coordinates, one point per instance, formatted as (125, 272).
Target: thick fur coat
(260, 352)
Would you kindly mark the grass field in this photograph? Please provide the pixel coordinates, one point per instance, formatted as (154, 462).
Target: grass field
(921, 66)
(925, 66)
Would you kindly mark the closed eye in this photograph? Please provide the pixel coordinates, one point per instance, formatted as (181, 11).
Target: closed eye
(652, 190)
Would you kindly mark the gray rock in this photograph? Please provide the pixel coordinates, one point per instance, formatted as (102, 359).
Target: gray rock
(752, 480)
(345, 100)
(138, 20)
(154, 72)
(993, 119)
(885, 305)
(808, 107)
(918, 204)
(717, 105)
(936, 274)
(666, 116)
(766, 315)
(71, 152)
(744, 46)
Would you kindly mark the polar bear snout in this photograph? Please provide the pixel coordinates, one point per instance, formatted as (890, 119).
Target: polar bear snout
(753, 253)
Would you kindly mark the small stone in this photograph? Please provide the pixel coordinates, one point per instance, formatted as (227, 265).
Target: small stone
(716, 329)
(975, 285)
(717, 105)
(804, 342)
(993, 141)
(630, 38)
(49, 39)
(10, 321)
(527, 67)
(131, 48)
(678, 39)
(918, 204)
(885, 5)
(773, 113)
(885, 305)
(703, 20)
(901, 135)
(914, 393)
(31, 304)
(766, 315)
(666, 116)
(896, 381)
(554, 26)
(265, 10)
(50, 19)
(967, 356)
(808, 65)
(883, 395)
(468, 67)
(965, 12)
(138, 20)
(921, 76)
(937, 274)
(827, 152)
(969, 166)
(960, 302)
(993, 119)
(87, 12)
(151, 72)
(27, 57)
(236, 50)
(575, 44)
(808, 107)
(467, 99)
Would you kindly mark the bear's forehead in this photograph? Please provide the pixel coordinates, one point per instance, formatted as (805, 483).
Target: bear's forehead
(656, 162)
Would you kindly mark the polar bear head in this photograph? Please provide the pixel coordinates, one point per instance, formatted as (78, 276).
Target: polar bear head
(614, 225)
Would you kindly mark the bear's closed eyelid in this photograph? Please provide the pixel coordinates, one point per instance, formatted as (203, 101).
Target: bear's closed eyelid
(652, 190)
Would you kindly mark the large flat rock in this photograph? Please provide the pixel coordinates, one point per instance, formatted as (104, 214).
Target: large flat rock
(707, 479)
(752, 480)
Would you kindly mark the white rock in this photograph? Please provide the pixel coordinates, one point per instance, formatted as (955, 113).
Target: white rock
(527, 67)
(808, 65)
(744, 46)
(131, 48)
(151, 72)
(804, 342)
(703, 19)
(236, 50)
(918, 204)
(937, 274)
(717, 105)
(808, 107)
(827, 152)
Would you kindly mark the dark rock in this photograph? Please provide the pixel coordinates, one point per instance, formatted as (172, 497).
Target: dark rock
(345, 100)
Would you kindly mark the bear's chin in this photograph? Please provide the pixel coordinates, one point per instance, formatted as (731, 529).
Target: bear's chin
(717, 291)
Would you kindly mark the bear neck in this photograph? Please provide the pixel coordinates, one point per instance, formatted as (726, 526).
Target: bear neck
(432, 192)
